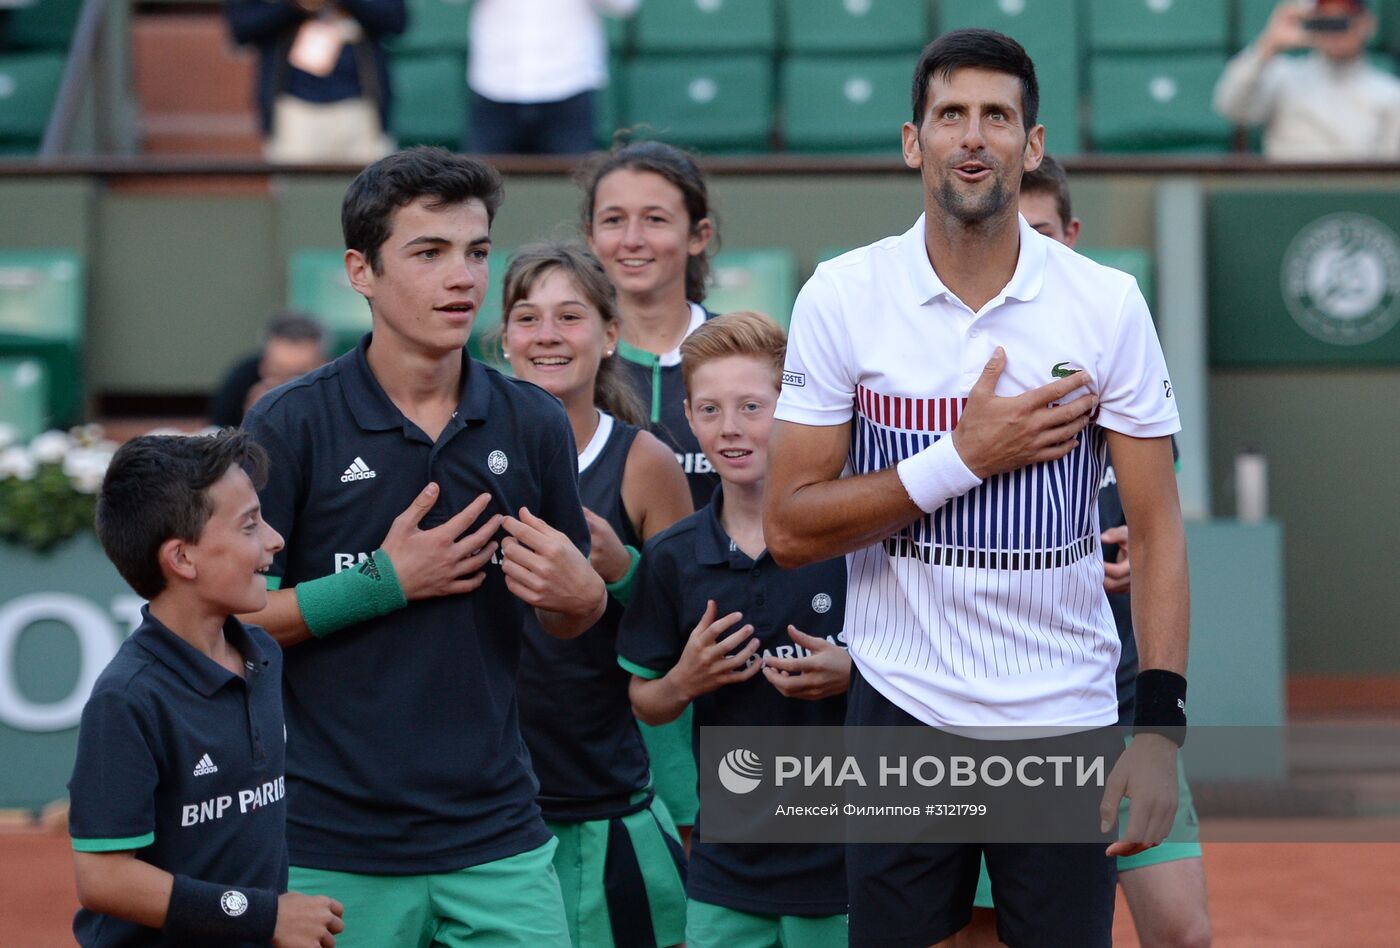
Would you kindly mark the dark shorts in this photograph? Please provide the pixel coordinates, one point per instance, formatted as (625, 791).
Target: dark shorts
(914, 894)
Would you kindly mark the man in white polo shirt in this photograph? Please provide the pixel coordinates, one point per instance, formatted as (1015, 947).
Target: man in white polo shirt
(947, 401)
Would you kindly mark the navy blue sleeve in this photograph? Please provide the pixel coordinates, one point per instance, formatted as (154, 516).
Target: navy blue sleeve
(280, 496)
(113, 788)
(653, 632)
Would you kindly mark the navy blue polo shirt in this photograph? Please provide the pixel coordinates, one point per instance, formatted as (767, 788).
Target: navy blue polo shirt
(405, 754)
(182, 761)
(682, 568)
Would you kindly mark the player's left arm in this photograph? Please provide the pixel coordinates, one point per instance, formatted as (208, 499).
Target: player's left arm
(1161, 587)
(1146, 773)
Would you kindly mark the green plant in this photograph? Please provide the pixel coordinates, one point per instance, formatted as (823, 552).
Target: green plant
(48, 489)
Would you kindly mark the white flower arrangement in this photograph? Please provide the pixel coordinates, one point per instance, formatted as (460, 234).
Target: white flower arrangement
(48, 488)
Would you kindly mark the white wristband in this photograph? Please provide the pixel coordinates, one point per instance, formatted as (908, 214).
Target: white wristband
(936, 475)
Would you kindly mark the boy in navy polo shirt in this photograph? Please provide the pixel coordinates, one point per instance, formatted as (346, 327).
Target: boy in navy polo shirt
(788, 647)
(412, 799)
(178, 815)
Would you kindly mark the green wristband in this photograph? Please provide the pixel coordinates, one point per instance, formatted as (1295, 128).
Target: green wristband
(366, 591)
(622, 589)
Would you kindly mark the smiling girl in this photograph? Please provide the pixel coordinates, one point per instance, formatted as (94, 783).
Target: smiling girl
(619, 858)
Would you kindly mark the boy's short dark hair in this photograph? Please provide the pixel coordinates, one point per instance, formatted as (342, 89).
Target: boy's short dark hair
(977, 49)
(1050, 178)
(367, 213)
(157, 488)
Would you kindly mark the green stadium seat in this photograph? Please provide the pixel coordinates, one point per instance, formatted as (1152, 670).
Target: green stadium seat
(845, 103)
(24, 396)
(1157, 103)
(607, 104)
(1254, 15)
(28, 86)
(619, 34)
(1049, 30)
(44, 24)
(1149, 25)
(433, 25)
(712, 102)
(1133, 260)
(42, 304)
(762, 279)
(692, 26)
(317, 284)
(1032, 23)
(1059, 104)
(430, 99)
(840, 26)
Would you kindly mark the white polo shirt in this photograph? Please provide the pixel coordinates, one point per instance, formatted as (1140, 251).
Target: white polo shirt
(528, 51)
(990, 610)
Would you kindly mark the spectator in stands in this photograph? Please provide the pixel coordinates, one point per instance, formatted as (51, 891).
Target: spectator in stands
(535, 67)
(323, 79)
(1330, 105)
(293, 344)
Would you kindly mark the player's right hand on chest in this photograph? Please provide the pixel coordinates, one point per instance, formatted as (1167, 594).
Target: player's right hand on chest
(997, 433)
(435, 562)
(307, 921)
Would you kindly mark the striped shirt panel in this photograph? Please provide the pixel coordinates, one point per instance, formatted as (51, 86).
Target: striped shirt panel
(1019, 554)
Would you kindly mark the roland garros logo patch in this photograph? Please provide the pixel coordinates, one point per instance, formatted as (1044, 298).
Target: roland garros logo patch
(1341, 279)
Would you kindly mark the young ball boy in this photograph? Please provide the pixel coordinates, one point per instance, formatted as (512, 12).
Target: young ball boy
(734, 664)
(412, 798)
(178, 814)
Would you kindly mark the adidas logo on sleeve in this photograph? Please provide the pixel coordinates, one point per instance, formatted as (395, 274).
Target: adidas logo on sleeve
(357, 471)
(205, 766)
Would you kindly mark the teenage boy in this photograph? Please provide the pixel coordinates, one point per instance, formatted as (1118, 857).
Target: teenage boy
(178, 812)
(684, 643)
(412, 796)
(935, 425)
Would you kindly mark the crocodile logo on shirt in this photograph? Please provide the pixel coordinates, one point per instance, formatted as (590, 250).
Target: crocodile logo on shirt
(1063, 370)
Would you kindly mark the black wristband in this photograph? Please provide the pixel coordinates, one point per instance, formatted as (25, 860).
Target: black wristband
(1161, 705)
(203, 910)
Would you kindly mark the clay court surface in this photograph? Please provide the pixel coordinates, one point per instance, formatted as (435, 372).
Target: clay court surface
(1283, 895)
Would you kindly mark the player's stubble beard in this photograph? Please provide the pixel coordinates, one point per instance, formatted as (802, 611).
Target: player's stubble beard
(971, 209)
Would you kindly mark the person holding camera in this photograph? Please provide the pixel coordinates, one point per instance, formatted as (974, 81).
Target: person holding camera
(322, 85)
(1328, 105)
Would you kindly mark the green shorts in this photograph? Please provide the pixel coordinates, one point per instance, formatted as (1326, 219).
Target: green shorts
(513, 902)
(713, 926)
(623, 879)
(1183, 842)
(673, 767)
